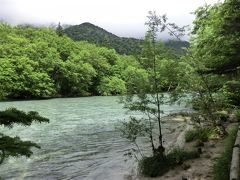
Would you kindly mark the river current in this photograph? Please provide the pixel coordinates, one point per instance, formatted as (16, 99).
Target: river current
(80, 142)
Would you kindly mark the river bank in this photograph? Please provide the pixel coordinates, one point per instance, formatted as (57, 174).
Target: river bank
(172, 138)
(195, 169)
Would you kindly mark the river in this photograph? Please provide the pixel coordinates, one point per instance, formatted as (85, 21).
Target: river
(80, 142)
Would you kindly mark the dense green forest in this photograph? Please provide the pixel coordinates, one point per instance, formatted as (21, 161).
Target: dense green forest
(40, 63)
(37, 63)
(43, 62)
(215, 47)
(96, 35)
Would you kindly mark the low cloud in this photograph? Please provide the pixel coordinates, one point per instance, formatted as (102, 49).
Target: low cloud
(123, 18)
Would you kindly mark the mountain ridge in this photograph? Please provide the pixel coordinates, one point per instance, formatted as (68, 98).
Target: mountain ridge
(123, 45)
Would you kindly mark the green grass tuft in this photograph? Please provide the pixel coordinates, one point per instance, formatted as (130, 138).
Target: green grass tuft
(221, 168)
(201, 134)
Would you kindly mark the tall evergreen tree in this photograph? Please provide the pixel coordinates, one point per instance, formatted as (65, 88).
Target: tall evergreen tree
(59, 30)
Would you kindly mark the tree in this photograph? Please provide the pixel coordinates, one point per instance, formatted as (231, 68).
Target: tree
(76, 77)
(146, 86)
(14, 146)
(111, 86)
(37, 63)
(213, 57)
(215, 36)
(59, 30)
(153, 27)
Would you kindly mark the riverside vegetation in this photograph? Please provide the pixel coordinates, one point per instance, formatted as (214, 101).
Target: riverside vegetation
(44, 63)
(209, 72)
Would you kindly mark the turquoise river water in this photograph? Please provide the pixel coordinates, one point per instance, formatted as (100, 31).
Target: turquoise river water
(80, 142)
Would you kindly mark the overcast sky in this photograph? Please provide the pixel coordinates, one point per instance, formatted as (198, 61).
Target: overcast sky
(121, 17)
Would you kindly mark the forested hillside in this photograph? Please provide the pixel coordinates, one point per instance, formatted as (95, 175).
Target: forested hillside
(39, 63)
(97, 35)
(43, 63)
(94, 34)
(177, 45)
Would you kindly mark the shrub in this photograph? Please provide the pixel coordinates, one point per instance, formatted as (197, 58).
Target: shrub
(201, 134)
(156, 165)
(204, 134)
(232, 92)
(178, 156)
(222, 116)
(237, 114)
(221, 168)
(216, 133)
(153, 166)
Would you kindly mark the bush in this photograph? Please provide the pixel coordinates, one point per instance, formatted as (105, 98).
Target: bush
(201, 134)
(156, 165)
(153, 166)
(204, 134)
(223, 116)
(216, 133)
(221, 168)
(232, 92)
(237, 114)
(178, 156)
